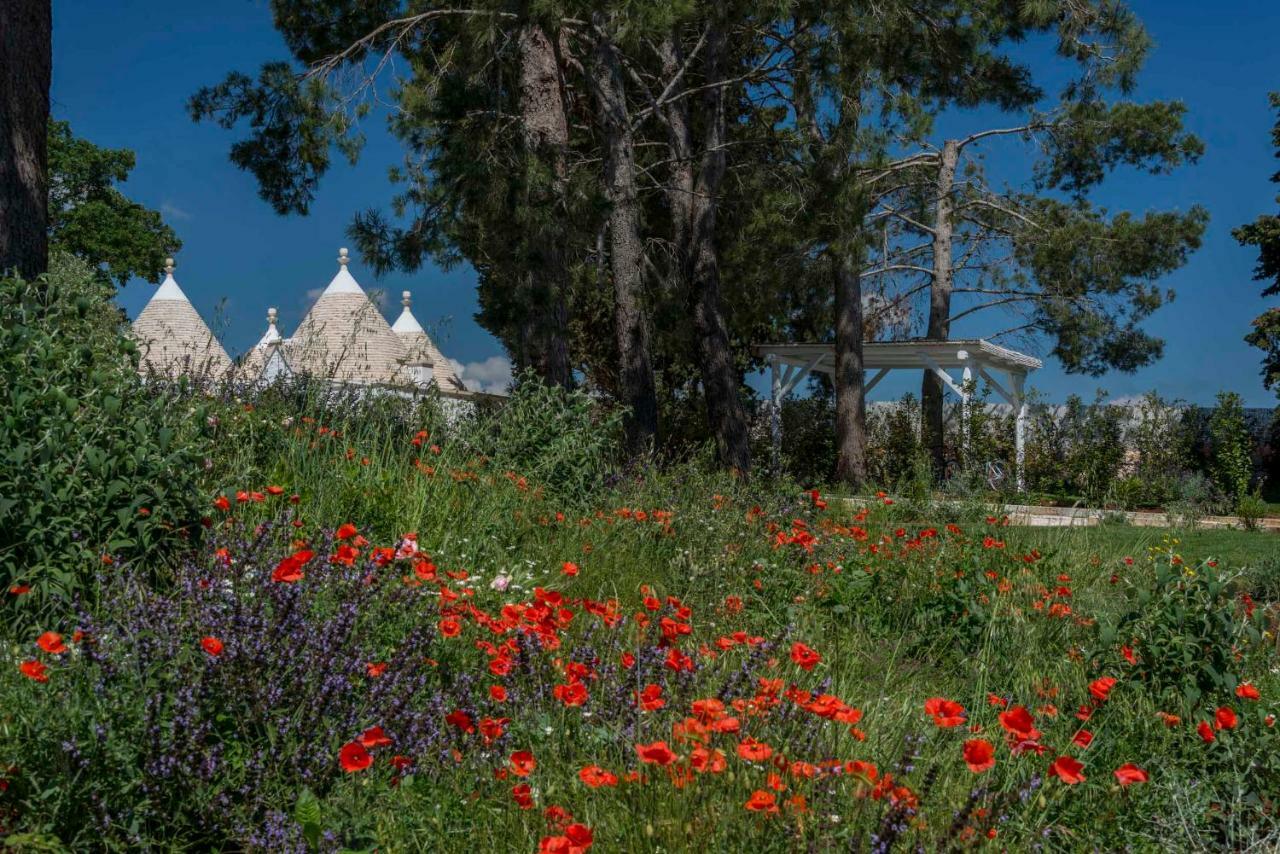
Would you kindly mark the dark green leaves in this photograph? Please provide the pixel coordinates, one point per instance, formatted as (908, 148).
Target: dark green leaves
(90, 218)
(91, 460)
(1094, 137)
(1264, 234)
(293, 124)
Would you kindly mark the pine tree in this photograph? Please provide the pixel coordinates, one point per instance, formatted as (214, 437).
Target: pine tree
(1264, 234)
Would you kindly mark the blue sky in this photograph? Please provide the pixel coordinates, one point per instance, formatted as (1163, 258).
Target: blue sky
(123, 72)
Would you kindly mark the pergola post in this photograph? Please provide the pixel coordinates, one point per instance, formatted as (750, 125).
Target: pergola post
(775, 411)
(966, 393)
(1019, 401)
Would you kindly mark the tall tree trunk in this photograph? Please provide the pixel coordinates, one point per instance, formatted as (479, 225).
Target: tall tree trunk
(931, 390)
(720, 382)
(545, 130)
(631, 324)
(851, 416)
(679, 186)
(26, 67)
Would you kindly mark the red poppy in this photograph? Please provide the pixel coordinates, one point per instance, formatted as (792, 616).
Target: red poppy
(1067, 770)
(1246, 691)
(19, 590)
(1019, 722)
(353, 757)
(1129, 654)
(375, 669)
(345, 532)
(945, 713)
(576, 839)
(374, 737)
(804, 657)
(569, 568)
(580, 836)
(571, 693)
(707, 760)
(1082, 739)
(222, 503)
(523, 763)
(450, 628)
(657, 753)
(1225, 718)
(1100, 688)
(595, 777)
(1206, 731)
(493, 728)
(51, 642)
(34, 670)
(1130, 773)
(762, 801)
(754, 751)
(461, 720)
(289, 570)
(211, 645)
(275, 490)
(498, 693)
(979, 755)
(650, 699)
(523, 795)
(557, 816)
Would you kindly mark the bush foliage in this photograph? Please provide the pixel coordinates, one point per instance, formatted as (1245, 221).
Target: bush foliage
(92, 462)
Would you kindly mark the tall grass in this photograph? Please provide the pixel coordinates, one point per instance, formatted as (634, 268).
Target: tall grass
(899, 607)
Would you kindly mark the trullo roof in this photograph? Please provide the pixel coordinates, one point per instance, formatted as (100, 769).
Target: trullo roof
(346, 339)
(421, 350)
(255, 361)
(172, 337)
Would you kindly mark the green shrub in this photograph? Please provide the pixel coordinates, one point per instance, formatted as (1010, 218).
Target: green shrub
(560, 440)
(1251, 509)
(1189, 633)
(1162, 440)
(1231, 463)
(893, 439)
(92, 462)
(808, 439)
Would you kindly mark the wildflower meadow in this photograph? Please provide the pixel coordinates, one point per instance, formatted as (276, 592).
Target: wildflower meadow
(389, 633)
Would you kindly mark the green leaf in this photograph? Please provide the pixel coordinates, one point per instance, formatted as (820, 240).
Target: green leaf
(307, 813)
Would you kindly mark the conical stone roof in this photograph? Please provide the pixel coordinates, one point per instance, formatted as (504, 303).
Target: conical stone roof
(254, 362)
(172, 337)
(345, 338)
(421, 350)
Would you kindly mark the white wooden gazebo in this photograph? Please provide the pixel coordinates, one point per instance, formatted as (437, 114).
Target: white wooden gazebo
(975, 359)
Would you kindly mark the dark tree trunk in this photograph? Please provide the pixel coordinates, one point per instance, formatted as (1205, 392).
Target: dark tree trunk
(679, 187)
(545, 131)
(631, 325)
(26, 67)
(931, 390)
(694, 199)
(851, 417)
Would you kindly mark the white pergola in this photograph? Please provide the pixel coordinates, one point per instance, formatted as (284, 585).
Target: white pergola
(789, 364)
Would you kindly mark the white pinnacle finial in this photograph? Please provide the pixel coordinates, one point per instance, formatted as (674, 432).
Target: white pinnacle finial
(271, 317)
(404, 299)
(168, 266)
(342, 256)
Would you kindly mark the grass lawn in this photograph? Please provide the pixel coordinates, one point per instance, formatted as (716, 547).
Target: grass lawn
(1253, 549)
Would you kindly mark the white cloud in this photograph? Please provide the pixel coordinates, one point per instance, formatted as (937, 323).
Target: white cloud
(493, 375)
(172, 211)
